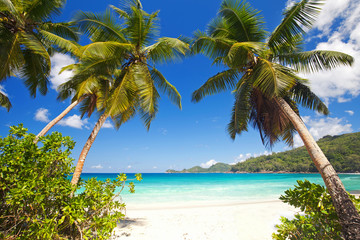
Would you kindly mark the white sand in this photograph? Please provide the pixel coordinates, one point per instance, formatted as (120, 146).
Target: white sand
(220, 221)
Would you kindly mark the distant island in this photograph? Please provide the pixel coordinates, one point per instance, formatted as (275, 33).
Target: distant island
(343, 151)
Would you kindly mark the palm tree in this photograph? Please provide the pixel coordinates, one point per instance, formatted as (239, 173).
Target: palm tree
(27, 39)
(122, 51)
(262, 72)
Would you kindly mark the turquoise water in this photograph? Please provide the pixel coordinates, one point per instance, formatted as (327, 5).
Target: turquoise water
(215, 187)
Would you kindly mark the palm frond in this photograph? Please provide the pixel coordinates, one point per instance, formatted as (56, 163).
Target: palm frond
(148, 95)
(123, 117)
(242, 20)
(65, 30)
(11, 57)
(242, 53)
(313, 61)
(40, 10)
(35, 72)
(296, 20)
(166, 87)
(7, 5)
(120, 12)
(108, 49)
(4, 101)
(141, 28)
(220, 82)
(33, 44)
(167, 49)
(273, 79)
(303, 95)
(100, 27)
(212, 47)
(62, 43)
(122, 94)
(241, 110)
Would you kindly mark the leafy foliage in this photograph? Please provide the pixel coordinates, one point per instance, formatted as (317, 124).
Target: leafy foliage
(342, 151)
(216, 168)
(318, 219)
(262, 67)
(28, 38)
(35, 192)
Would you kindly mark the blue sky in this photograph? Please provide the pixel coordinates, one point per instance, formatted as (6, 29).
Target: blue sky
(196, 135)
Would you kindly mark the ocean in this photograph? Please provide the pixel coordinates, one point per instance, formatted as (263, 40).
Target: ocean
(215, 187)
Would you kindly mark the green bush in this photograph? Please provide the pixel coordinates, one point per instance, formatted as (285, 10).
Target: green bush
(36, 199)
(318, 219)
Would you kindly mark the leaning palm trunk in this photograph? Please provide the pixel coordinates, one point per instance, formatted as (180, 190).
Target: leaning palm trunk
(84, 152)
(57, 119)
(345, 209)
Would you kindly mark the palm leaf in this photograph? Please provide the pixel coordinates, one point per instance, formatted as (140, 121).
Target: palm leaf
(11, 57)
(62, 43)
(242, 21)
(296, 19)
(65, 30)
(220, 82)
(242, 53)
(40, 10)
(166, 87)
(212, 47)
(241, 110)
(4, 101)
(273, 79)
(313, 61)
(35, 72)
(148, 95)
(33, 44)
(100, 27)
(303, 95)
(167, 49)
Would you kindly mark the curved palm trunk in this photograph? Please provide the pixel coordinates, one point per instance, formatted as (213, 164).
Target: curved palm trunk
(84, 152)
(345, 209)
(57, 119)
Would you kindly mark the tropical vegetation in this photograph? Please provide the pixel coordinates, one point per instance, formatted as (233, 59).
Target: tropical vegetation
(317, 219)
(216, 168)
(262, 71)
(343, 151)
(28, 38)
(35, 192)
(123, 57)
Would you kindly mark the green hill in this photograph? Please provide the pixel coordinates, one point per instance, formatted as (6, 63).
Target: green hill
(216, 168)
(343, 152)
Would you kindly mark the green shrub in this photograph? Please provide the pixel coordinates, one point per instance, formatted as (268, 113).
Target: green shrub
(318, 219)
(35, 192)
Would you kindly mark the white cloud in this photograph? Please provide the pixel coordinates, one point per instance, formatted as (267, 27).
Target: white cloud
(164, 131)
(42, 115)
(350, 112)
(155, 167)
(244, 157)
(107, 124)
(208, 163)
(74, 121)
(129, 166)
(331, 10)
(340, 22)
(58, 61)
(97, 166)
(321, 127)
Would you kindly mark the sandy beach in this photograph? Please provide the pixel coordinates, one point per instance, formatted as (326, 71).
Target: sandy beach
(196, 221)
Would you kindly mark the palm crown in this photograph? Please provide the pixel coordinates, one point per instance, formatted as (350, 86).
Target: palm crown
(263, 67)
(28, 38)
(124, 52)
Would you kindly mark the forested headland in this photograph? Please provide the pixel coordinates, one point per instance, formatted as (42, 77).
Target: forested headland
(343, 151)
